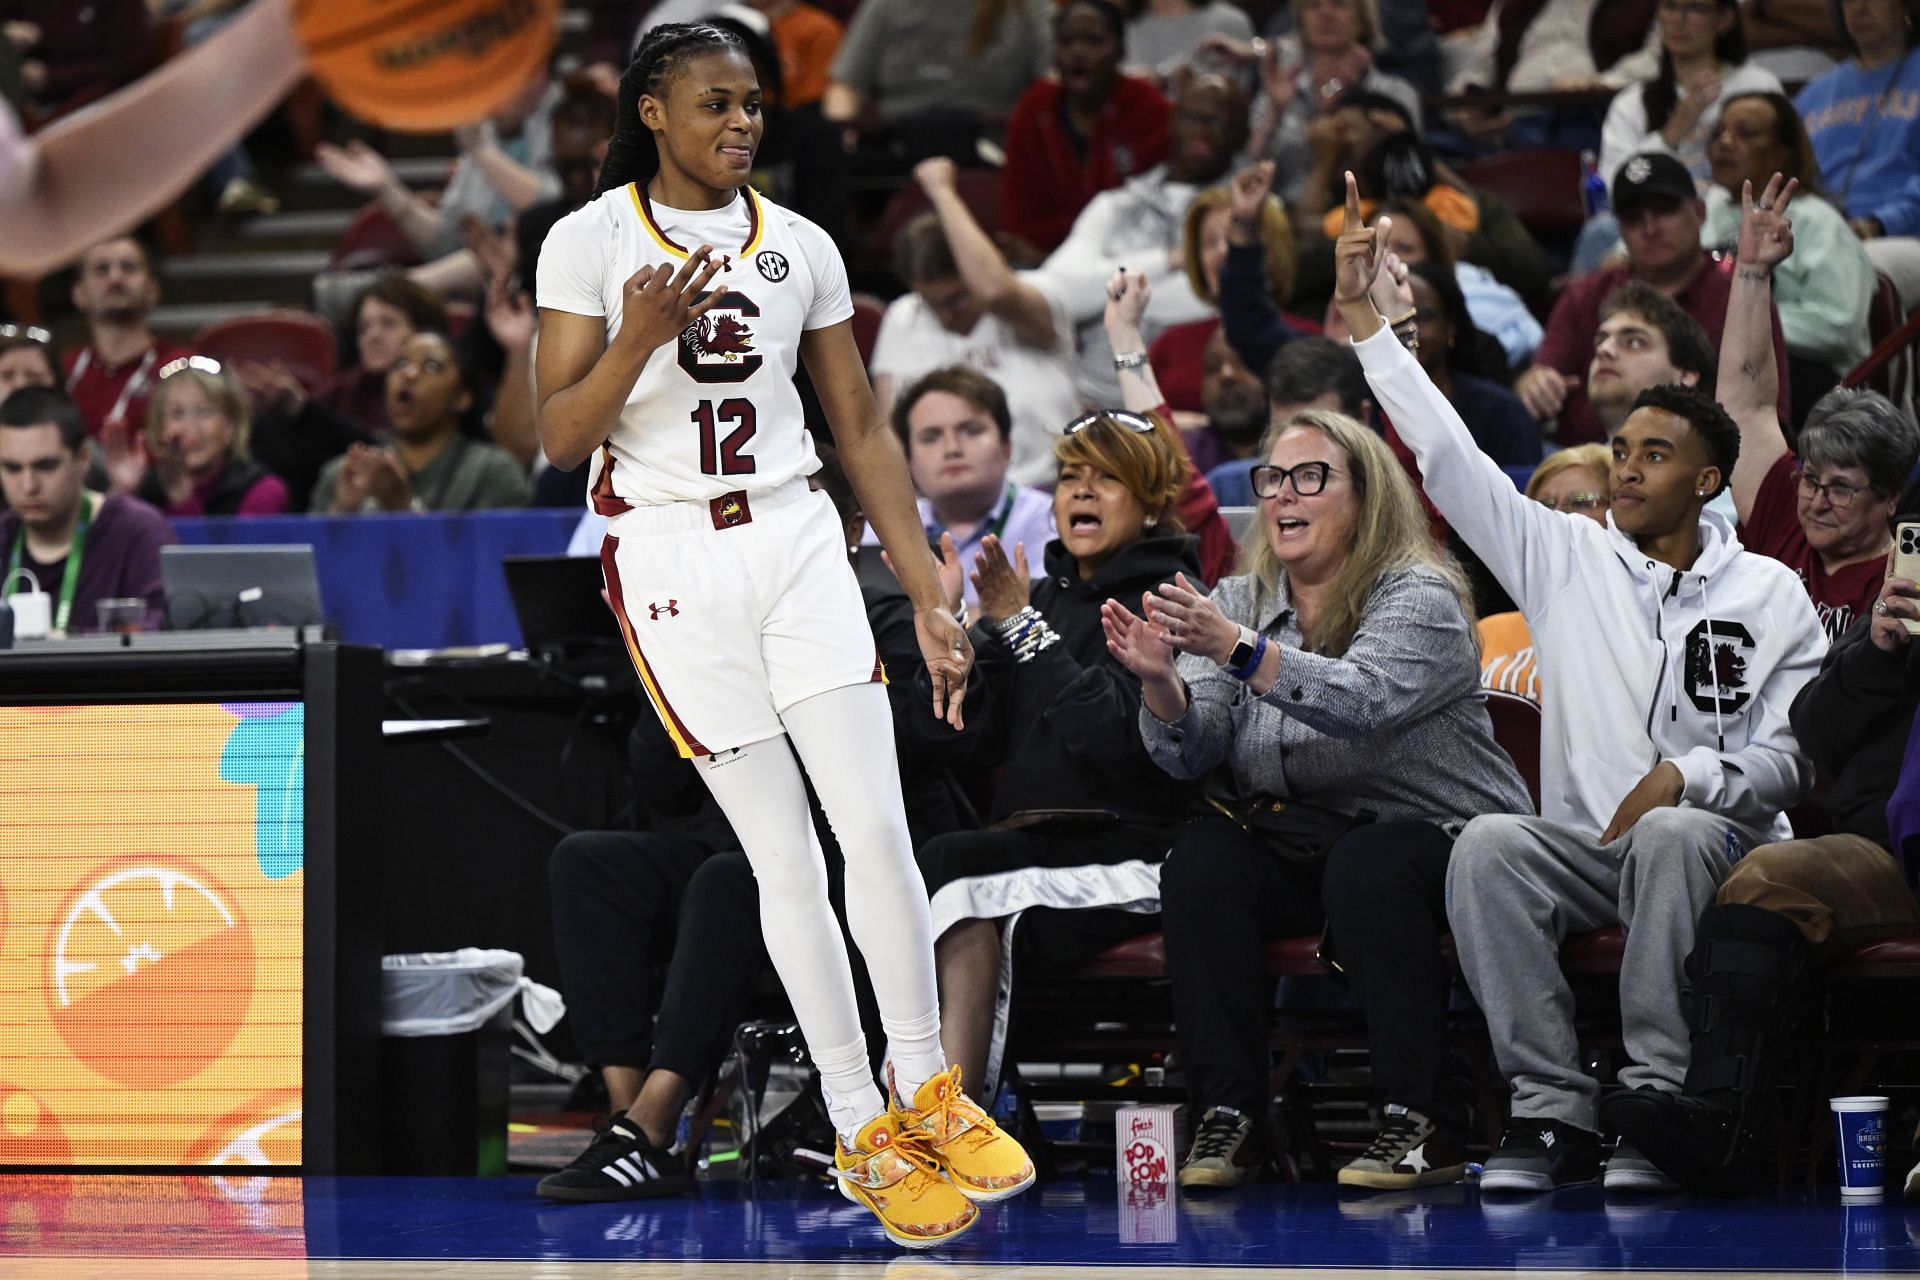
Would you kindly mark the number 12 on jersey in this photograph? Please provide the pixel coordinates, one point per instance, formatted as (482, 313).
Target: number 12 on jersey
(725, 457)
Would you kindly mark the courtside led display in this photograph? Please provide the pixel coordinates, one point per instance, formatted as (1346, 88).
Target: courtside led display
(150, 934)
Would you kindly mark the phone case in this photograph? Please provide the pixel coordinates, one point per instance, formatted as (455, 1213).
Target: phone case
(1906, 561)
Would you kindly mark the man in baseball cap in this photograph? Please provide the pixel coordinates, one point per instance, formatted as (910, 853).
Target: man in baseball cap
(1660, 214)
(1651, 175)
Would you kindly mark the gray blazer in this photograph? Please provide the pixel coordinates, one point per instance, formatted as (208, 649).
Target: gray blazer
(1396, 725)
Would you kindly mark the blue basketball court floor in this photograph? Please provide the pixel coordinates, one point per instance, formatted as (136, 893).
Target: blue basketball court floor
(119, 1227)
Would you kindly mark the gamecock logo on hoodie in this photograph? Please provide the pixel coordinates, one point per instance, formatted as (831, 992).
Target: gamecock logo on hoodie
(1716, 672)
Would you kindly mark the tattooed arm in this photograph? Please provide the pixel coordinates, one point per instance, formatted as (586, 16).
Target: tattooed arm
(1749, 383)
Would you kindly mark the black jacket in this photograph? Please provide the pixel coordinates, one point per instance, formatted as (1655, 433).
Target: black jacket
(935, 800)
(1066, 725)
(1853, 719)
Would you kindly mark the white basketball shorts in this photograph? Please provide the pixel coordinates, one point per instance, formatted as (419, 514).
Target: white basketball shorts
(735, 610)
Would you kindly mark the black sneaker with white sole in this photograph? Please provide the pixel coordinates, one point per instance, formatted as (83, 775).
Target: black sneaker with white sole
(1542, 1155)
(619, 1164)
(1226, 1152)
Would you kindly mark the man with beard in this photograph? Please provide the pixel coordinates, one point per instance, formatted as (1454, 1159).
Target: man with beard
(1308, 373)
(1138, 226)
(112, 377)
(1660, 218)
(1235, 403)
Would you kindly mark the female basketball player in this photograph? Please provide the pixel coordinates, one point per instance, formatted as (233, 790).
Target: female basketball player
(673, 310)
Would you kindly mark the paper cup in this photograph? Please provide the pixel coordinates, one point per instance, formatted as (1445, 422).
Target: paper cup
(32, 615)
(1860, 1125)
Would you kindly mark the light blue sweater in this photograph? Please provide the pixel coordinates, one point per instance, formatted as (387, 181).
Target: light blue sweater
(1869, 158)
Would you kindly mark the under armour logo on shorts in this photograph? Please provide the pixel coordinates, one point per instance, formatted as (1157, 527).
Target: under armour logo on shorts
(670, 609)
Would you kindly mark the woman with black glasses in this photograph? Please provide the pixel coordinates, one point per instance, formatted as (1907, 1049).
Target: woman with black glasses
(1080, 816)
(1330, 694)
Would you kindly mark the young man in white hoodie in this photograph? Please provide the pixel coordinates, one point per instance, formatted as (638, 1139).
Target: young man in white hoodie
(1668, 757)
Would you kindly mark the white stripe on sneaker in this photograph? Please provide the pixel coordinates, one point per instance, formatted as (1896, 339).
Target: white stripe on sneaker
(614, 1171)
(637, 1165)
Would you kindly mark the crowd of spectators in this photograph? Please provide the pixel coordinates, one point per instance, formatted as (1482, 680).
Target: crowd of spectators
(1255, 441)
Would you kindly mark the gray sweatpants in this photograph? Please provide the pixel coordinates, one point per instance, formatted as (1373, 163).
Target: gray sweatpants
(1518, 886)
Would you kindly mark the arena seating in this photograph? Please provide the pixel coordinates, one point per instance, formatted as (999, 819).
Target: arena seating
(303, 342)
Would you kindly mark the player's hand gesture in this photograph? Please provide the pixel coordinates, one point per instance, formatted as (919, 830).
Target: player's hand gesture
(949, 656)
(659, 302)
(1766, 232)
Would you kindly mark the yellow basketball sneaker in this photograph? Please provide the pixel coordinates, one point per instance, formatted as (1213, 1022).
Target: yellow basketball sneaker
(894, 1176)
(984, 1161)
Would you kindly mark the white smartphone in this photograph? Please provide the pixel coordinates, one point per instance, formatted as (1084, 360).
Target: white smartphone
(1906, 561)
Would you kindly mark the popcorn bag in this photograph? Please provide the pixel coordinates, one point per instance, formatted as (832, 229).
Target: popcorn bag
(1143, 1162)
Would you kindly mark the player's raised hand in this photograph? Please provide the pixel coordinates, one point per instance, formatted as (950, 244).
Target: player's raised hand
(659, 302)
(949, 656)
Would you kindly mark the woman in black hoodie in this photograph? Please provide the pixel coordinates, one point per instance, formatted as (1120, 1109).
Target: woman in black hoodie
(1081, 817)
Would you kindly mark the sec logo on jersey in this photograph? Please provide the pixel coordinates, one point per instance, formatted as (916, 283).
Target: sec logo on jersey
(719, 346)
(773, 266)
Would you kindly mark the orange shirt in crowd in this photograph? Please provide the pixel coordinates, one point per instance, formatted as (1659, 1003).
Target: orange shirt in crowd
(807, 40)
(1506, 656)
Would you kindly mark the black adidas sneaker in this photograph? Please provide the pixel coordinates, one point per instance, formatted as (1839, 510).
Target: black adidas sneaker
(619, 1164)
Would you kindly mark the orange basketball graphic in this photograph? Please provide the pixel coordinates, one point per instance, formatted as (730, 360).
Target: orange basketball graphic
(150, 971)
(427, 65)
(266, 1131)
(29, 1134)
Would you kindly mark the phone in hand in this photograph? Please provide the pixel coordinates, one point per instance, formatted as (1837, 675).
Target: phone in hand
(1906, 562)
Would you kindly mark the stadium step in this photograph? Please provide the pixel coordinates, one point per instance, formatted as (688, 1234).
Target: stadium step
(182, 321)
(308, 186)
(258, 279)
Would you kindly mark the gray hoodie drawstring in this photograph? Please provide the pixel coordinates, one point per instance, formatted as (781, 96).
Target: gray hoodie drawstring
(1713, 667)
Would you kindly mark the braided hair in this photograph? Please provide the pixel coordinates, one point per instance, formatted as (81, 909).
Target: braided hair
(633, 155)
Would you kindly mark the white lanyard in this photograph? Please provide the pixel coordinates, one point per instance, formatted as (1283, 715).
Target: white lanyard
(135, 384)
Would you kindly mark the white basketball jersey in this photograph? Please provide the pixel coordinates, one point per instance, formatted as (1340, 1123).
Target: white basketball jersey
(716, 411)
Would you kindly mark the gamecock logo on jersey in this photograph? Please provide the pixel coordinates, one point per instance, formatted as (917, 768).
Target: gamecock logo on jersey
(718, 347)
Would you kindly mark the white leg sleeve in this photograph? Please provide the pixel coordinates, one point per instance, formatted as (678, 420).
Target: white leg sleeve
(760, 790)
(845, 738)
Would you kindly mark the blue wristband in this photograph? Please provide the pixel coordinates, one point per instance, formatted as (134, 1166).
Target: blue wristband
(1253, 664)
